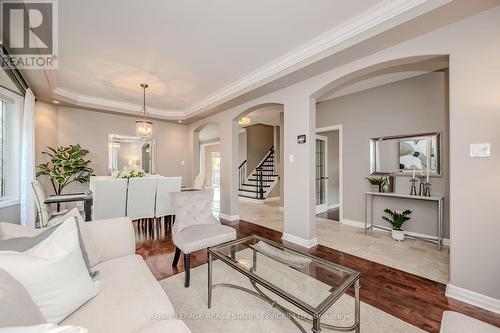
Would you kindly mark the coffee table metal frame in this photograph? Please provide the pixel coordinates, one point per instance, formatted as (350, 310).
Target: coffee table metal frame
(315, 313)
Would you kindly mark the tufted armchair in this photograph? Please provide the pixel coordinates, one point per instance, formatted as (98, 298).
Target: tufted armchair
(195, 226)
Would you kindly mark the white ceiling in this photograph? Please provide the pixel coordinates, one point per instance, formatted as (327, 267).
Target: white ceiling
(186, 50)
(267, 116)
(197, 55)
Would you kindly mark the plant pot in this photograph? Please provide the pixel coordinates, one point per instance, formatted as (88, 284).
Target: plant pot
(398, 235)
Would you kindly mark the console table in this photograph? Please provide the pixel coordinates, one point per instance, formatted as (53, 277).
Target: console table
(438, 199)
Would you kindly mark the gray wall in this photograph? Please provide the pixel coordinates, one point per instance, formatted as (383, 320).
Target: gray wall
(260, 138)
(242, 146)
(411, 106)
(11, 214)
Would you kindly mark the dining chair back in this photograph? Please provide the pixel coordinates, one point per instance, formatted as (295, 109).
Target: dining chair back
(164, 195)
(199, 182)
(141, 197)
(109, 197)
(42, 208)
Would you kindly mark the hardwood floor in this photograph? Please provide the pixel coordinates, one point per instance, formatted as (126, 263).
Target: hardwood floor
(411, 298)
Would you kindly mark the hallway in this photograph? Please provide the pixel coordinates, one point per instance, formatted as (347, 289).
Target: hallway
(413, 256)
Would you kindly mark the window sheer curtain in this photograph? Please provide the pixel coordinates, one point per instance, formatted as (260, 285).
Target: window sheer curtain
(28, 174)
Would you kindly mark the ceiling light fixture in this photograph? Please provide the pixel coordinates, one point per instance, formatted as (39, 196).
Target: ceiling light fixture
(144, 126)
(55, 102)
(179, 121)
(245, 121)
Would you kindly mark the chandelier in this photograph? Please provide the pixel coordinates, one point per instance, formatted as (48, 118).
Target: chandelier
(144, 125)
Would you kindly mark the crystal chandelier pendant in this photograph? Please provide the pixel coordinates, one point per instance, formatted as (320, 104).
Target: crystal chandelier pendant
(144, 126)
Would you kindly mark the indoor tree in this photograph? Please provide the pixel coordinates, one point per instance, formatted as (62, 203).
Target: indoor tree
(66, 165)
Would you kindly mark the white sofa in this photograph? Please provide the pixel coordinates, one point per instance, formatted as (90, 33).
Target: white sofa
(130, 299)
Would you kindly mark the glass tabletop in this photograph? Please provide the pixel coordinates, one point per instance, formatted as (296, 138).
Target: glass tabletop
(297, 276)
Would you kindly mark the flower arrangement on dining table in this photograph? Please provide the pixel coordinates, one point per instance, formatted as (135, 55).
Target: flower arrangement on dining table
(127, 173)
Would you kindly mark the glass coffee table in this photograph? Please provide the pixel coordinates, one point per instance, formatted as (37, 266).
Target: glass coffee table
(309, 283)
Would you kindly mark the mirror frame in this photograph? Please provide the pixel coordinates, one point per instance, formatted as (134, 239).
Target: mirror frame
(111, 150)
(433, 173)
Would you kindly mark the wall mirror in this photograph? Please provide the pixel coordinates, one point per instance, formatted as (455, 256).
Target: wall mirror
(131, 151)
(403, 154)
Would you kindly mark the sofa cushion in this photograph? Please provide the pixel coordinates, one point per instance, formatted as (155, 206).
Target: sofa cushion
(129, 298)
(164, 326)
(16, 305)
(201, 236)
(53, 272)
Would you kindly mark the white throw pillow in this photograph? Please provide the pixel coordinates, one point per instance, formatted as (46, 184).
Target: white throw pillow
(44, 328)
(53, 272)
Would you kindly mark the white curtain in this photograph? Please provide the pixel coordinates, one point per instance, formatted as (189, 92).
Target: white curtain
(28, 214)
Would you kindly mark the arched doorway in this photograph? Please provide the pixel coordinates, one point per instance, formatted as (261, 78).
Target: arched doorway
(258, 139)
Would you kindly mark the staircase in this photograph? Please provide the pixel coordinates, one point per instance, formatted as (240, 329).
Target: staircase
(261, 180)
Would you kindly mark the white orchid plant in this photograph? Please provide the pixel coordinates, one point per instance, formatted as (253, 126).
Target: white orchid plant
(129, 173)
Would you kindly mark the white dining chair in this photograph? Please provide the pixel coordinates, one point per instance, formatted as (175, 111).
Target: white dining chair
(141, 197)
(109, 197)
(199, 182)
(45, 215)
(164, 207)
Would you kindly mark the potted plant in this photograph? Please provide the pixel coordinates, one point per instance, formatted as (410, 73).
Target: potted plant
(66, 165)
(377, 181)
(397, 219)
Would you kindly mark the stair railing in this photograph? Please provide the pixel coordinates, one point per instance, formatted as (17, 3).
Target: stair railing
(242, 172)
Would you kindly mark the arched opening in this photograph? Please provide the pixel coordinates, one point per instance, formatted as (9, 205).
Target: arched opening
(372, 116)
(258, 139)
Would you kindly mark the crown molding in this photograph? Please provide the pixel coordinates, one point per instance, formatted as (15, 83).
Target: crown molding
(92, 102)
(378, 16)
(381, 17)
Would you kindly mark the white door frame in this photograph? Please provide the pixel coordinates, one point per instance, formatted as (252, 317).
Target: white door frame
(339, 128)
(321, 208)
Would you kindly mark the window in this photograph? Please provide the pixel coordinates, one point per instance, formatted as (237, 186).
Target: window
(10, 147)
(2, 136)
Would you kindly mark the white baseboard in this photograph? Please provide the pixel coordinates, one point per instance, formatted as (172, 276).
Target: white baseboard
(307, 243)
(471, 297)
(271, 199)
(357, 224)
(229, 217)
(333, 206)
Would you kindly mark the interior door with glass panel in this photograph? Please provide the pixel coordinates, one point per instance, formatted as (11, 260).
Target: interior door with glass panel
(321, 174)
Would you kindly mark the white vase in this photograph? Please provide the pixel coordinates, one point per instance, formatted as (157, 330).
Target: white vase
(398, 235)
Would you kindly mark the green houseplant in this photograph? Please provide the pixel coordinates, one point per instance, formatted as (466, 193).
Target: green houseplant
(397, 219)
(66, 165)
(377, 181)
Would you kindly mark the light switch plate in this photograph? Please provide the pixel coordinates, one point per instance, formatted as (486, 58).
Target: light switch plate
(480, 150)
(291, 158)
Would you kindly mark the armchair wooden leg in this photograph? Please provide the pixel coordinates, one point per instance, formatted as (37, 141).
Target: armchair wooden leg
(176, 256)
(187, 272)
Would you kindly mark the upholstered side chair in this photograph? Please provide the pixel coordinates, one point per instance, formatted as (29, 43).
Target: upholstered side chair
(195, 227)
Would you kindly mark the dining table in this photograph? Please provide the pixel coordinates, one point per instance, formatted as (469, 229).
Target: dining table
(86, 197)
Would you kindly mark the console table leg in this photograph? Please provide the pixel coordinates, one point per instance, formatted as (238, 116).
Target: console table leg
(440, 223)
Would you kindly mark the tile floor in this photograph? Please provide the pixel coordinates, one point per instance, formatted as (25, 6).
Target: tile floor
(413, 256)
